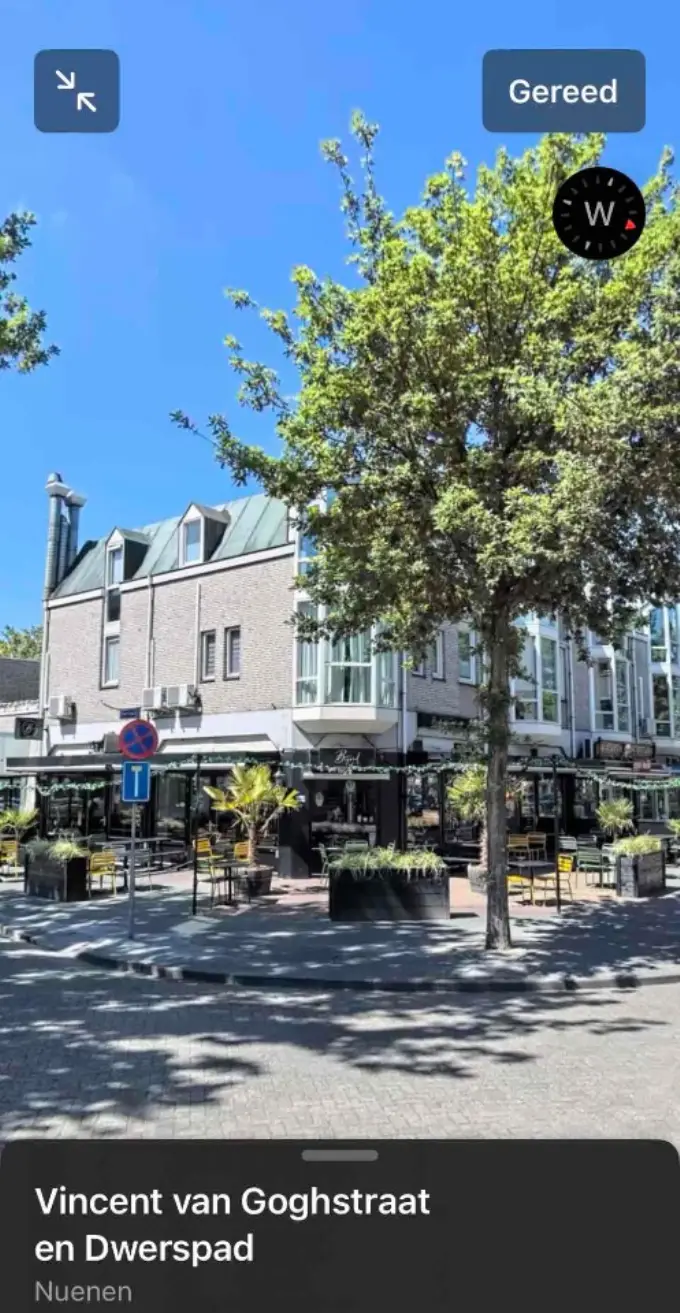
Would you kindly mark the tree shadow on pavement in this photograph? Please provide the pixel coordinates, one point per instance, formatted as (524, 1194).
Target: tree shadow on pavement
(83, 1052)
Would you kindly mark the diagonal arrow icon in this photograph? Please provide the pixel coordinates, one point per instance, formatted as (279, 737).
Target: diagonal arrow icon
(85, 99)
(66, 83)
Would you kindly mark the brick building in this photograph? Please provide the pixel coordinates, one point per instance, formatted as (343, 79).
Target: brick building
(187, 621)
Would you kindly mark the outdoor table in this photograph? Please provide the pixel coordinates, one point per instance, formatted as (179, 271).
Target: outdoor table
(530, 869)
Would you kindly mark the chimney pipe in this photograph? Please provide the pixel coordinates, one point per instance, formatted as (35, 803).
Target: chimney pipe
(56, 490)
(74, 501)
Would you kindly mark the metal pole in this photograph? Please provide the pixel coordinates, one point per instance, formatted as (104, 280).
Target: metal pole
(556, 825)
(131, 880)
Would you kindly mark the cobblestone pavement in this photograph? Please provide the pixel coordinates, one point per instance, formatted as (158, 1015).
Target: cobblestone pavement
(84, 1053)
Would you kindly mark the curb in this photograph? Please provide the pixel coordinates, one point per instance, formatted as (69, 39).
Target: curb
(622, 980)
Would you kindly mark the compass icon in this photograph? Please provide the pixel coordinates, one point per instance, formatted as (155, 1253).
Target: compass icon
(599, 213)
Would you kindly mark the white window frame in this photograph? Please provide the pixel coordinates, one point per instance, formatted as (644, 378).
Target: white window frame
(187, 524)
(110, 640)
(227, 671)
(300, 644)
(551, 692)
(115, 553)
(419, 670)
(437, 656)
(206, 636)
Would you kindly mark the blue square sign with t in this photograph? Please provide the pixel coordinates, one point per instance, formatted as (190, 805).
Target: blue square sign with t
(76, 91)
(135, 781)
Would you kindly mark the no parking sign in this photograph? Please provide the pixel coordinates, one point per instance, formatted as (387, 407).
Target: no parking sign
(138, 740)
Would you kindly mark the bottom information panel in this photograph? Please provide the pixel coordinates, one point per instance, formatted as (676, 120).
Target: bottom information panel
(337, 1227)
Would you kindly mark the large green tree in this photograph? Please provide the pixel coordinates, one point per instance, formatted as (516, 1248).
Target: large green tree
(21, 642)
(497, 418)
(21, 329)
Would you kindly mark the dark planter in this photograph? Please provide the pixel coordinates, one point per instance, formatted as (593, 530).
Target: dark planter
(388, 896)
(253, 883)
(638, 877)
(61, 882)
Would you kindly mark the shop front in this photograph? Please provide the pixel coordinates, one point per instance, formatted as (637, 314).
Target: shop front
(347, 797)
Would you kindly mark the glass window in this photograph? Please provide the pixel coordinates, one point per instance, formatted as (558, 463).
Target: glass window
(662, 711)
(111, 660)
(191, 542)
(604, 696)
(418, 667)
(307, 670)
(232, 652)
(658, 634)
(208, 646)
(673, 632)
(115, 567)
(622, 697)
(676, 706)
(550, 690)
(387, 686)
(349, 670)
(112, 605)
(437, 656)
(466, 669)
(526, 684)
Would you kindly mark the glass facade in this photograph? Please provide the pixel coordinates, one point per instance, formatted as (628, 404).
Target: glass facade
(549, 685)
(526, 684)
(349, 670)
(657, 632)
(604, 696)
(622, 697)
(662, 708)
(307, 671)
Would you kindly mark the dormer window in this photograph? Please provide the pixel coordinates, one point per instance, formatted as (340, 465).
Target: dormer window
(115, 567)
(191, 542)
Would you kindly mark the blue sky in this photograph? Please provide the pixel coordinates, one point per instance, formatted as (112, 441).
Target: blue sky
(214, 179)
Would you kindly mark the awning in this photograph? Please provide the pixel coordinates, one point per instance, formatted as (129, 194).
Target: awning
(248, 747)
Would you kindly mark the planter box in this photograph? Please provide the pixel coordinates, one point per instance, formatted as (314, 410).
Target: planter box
(253, 883)
(61, 882)
(638, 877)
(388, 896)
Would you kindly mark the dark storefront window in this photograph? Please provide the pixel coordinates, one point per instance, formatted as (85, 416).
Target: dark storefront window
(344, 809)
(422, 807)
(171, 805)
(10, 795)
(585, 799)
(527, 805)
(74, 810)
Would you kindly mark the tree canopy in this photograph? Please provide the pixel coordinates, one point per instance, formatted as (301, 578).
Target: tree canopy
(21, 329)
(496, 418)
(21, 642)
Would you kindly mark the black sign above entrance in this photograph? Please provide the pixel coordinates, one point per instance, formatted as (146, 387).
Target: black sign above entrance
(611, 750)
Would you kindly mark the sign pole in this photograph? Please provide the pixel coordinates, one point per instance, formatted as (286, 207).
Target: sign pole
(131, 873)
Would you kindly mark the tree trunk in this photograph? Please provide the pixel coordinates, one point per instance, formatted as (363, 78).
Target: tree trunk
(498, 704)
(252, 844)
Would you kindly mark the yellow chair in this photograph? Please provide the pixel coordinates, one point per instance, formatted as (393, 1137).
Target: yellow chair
(102, 866)
(241, 852)
(548, 882)
(9, 853)
(203, 848)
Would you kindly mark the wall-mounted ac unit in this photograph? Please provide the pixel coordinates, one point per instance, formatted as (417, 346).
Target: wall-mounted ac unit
(153, 698)
(186, 695)
(110, 743)
(61, 708)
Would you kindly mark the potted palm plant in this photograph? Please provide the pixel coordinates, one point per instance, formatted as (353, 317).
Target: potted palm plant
(14, 824)
(615, 817)
(256, 801)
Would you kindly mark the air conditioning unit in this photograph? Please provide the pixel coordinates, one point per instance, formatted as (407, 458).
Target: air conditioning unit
(186, 695)
(110, 743)
(61, 708)
(153, 698)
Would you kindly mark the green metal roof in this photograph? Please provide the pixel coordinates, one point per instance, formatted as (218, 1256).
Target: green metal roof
(255, 524)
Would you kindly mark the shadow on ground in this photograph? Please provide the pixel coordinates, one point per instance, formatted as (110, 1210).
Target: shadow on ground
(86, 1052)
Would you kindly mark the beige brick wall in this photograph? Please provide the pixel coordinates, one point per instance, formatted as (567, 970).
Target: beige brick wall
(257, 597)
(443, 696)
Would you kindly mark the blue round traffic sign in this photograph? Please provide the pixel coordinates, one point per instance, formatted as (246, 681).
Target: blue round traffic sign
(138, 739)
